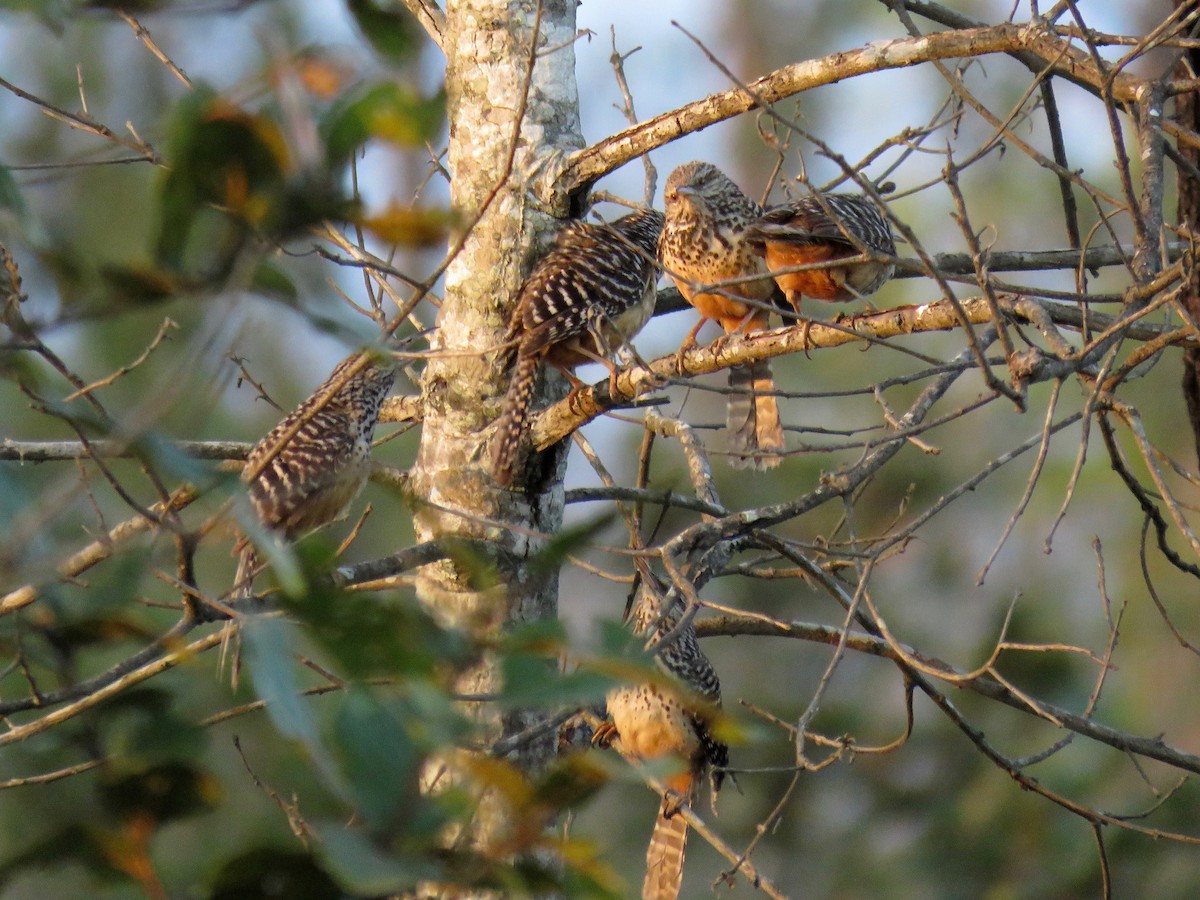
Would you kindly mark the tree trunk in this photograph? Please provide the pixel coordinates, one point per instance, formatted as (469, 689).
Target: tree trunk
(1187, 113)
(488, 45)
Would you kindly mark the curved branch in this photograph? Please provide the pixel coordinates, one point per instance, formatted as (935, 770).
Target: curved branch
(584, 167)
(585, 405)
(143, 665)
(1151, 748)
(432, 19)
(98, 550)
(361, 575)
(58, 451)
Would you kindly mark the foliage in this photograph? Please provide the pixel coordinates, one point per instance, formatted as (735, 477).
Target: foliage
(1002, 652)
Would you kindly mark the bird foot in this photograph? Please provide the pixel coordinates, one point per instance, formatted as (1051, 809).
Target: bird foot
(646, 380)
(687, 345)
(718, 344)
(604, 735)
(672, 803)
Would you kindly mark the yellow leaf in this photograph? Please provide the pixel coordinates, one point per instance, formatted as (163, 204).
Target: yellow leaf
(411, 226)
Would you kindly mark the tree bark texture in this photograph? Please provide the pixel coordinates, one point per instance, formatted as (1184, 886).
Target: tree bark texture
(1187, 113)
(494, 100)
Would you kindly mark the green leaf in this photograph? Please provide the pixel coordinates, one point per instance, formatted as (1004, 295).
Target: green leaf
(476, 567)
(380, 635)
(386, 110)
(139, 284)
(437, 721)
(364, 869)
(220, 156)
(570, 540)
(282, 558)
(547, 636)
(170, 459)
(269, 653)
(268, 647)
(530, 665)
(10, 194)
(378, 759)
(619, 642)
(392, 32)
(15, 493)
(140, 729)
(536, 681)
(271, 281)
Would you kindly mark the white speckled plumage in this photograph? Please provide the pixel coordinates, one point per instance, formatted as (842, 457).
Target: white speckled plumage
(657, 720)
(703, 243)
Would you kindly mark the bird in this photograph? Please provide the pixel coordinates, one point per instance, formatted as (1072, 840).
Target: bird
(825, 228)
(670, 718)
(312, 465)
(585, 298)
(703, 244)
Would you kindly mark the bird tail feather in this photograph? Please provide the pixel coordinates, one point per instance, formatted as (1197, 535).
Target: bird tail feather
(755, 428)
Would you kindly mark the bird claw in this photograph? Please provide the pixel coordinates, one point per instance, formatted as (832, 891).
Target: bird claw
(612, 384)
(687, 345)
(805, 327)
(650, 380)
(604, 735)
(672, 803)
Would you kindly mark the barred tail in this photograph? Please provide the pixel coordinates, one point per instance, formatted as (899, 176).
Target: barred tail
(243, 579)
(664, 858)
(510, 428)
(243, 589)
(755, 429)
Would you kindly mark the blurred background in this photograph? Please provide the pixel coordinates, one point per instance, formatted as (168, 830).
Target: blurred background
(932, 818)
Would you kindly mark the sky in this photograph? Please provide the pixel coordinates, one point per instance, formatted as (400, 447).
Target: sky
(667, 71)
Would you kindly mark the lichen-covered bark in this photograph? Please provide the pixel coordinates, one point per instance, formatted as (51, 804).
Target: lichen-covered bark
(1187, 113)
(488, 45)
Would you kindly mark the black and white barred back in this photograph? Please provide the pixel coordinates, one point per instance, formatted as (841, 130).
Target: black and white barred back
(830, 217)
(310, 476)
(591, 293)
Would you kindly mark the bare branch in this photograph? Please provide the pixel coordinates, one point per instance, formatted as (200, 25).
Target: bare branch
(432, 19)
(1149, 747)
(587, 166)
(97, 551)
